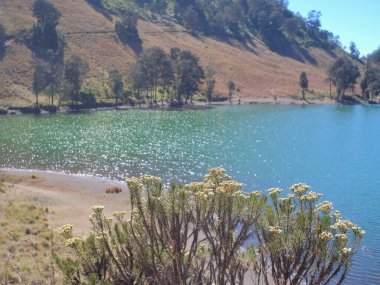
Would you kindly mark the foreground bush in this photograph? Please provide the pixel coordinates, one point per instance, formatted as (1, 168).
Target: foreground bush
(212, 232)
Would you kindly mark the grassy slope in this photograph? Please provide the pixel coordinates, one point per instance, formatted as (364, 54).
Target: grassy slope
(258, 74)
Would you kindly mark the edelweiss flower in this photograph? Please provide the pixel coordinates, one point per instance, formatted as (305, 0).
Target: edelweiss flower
(342, 237)
(256, 194)
(326, 236)
(195, 186)
(273, 192)
(325, 206)
(346, 250)
(119, 214)
(66, 231)
(73, 242)
(274, 230)
(98, 209)
(299, 189)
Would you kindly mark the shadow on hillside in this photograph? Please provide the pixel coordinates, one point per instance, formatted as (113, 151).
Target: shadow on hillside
(134, 43)
(281, 45)
(244, 42)
(330, 52)
(136, 46)
(96, 5)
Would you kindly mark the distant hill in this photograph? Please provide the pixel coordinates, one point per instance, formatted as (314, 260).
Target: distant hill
(263, 52)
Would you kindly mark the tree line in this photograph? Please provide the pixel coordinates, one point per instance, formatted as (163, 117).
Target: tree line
(344, 73)
(176, 75)
(157, 76)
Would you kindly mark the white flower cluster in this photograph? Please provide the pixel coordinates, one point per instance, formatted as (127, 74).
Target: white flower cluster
(326, 235)
(341, 237)
(325, 206)
(149, 179)
(346, 250)
(73, 242)
(274, 192)
(311, 197)
(357, 230)
(66, 231)
(119, 214)
(256, 194)
(299, 189)
(345, 225)
(274, 230)
(98, 209)
(195, 186)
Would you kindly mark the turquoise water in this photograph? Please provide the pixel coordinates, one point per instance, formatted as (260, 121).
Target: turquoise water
(335, 149)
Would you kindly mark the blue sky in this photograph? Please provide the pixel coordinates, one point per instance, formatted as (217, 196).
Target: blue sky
(352, 20)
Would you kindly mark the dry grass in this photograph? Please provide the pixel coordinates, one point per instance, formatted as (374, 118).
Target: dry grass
(258, 74)
(27, 243)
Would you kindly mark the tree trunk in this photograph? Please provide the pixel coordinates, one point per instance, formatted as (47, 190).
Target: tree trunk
(330, 90)
(37, 104)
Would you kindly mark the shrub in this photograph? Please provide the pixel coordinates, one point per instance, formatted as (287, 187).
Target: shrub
(114, 190)
(212, 232)
(88, 98)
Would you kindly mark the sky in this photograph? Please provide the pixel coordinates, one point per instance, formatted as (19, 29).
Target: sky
(351, 20)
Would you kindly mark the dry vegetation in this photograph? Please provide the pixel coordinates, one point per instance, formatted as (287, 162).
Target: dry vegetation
(259, 73)
(27, 241)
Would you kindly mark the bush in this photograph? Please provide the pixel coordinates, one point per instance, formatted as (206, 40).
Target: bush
(3, 112)
(88, 98)
(114, 190)
(212, 232)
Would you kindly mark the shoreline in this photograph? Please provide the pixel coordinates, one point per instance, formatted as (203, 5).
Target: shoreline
(196, 105)
(69, 198)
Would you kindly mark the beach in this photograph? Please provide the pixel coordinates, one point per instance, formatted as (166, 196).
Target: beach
(69, 198)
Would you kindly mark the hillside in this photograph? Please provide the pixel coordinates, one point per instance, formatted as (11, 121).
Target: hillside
(257, 71)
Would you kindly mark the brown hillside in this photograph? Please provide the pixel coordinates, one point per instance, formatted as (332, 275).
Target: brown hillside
(258, 73)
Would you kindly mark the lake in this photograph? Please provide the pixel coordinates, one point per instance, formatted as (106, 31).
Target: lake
(335, 149)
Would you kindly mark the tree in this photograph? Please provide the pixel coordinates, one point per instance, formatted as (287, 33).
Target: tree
(210, 83)
(314, 21)
(75, 70)
(370, 85)
(231, 88)
(117, 85)
(39, 80)
(304, 83)
(375, 57)
(354, 51)
(343, 74)
(137, 81)
(48, 16)
(191, 19)
(54, 75)
(211, 232)
(3, 37)
(292, 26)
(188, 75)
(157, 67)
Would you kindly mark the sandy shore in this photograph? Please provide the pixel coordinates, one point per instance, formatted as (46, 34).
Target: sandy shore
(68, 197)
